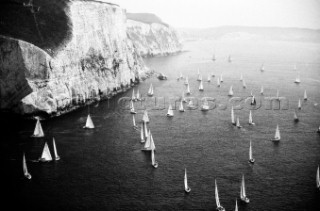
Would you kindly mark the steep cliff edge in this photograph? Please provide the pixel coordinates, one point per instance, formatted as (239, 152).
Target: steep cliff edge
(73, 51)
(151, 36)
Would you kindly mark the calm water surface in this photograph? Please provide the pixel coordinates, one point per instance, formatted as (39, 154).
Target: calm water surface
(105, 169)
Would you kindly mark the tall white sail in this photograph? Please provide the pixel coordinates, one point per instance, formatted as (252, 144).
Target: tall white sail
(181, 107)
(142, 133)
(138, 95)
(218, 82)
(25, 168)
(153, 160)
(183, 99)
(230, 91)
(199, 77)
(46, 155)
(305, 95)
(89, 123)
(149, 144)
(250, 118)
(299, 104)
(232, 116)
(186, 186)
(150, 91)
(145, 117)
(221, 79)
(297, 79)
(170, 111)
(295, 117)
(132, 108)
(133, 98)
(134, 121)
(250, 152)
(217, 195)
(209, 78)
(146, 134)
(238, 122)
(205, 105)
(188, 89)
(38, 132)
(318, 178)
(243, 194)
(55, 152)
(201, 86)
(261, 91)
(236, 208)
(277, 134)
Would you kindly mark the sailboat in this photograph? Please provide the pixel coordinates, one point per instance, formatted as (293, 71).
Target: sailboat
(145, 117)
(150, 91)
(205, 106)
(261, 91)
(318, 178)
(299, 104)
(221, 79)
(190, 104)
(232, 116)
(250, 119)
(149, 144)
(55, 152)
(219, 207)
(230, 91)
(209, 78)
(46, 155)
(243, 195)
(134, 121)
(295, 117)
(89, 123)
(199, 77)
(218, 82)
(253, 100)
(181, 109)
(238, 123)
(25, 168)
(201, 86)
(133, 98)
(277, 134)
(188, 90)
(236, 209)
(244, 84)
(38, 132)
(153, 160)
(142, 140)
(138, 95)
(241, 77)
(251, 159)
(305, 95)
(297, 81)
(132, 111)
(186, 82)
(187, 189)
(170, 111)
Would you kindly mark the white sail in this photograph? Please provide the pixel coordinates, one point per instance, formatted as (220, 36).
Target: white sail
(25, 168)
(132, 108)
(218, 82)
(152, 146)
(133, 98)
(244, 84)
(299, 104)
(186, 186)
(253, 100)
(238, 122)
(181, 106)
(261, 91)
(230, 91)
(145, 117)
(295, 117)
(183, 99)
(138, 95)
(232, 116)
(217, 194)
(188, 89)
(142, 134)
(277, 134)
(150, 91)
(250, 152)
(153, 160)
(134, 121)
(201, 86)
(221, 79)
(250, 118)
(243, 194)
(149, 144)
(318, 178)
(297, 79)
(38, 132)
(89, 123)
(170, 111)
(55, 152)
(205, 105)
(236, 209)
(46, 155)
(209, 78)
(146, 134)
(241, 77)
(305, 95)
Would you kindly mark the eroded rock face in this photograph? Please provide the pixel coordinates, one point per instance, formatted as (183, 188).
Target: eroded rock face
(95, 61)
(153, 39)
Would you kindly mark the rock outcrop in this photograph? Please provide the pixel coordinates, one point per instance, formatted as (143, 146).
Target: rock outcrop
(56, 61)
(151, 36)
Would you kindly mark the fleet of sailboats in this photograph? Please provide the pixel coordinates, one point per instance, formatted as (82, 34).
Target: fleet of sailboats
(243, 195)
(219, 206)
(38, 132)
(187, 189)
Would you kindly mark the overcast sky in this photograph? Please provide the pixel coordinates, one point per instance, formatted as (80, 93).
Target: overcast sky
(209, 13)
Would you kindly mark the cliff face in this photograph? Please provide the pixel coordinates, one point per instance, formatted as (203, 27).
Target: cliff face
(59, 69)
(153, 39)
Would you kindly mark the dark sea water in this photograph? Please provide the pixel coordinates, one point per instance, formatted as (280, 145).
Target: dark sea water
(105, 169)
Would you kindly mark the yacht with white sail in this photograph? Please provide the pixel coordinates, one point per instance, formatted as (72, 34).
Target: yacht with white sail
(38, 132)
(243, 195)
(236, 208)
(142, 137)
(170, 111)
(277, 135)
(232, 116)
(305, 97)
(89, 123)
(149, 144)
(250, 119)
(201, 86)
(55, 152)
(221, 79)
(230, 91)
(205, 105)
(218, 82)
(241, 77)
(261, 91)
(145, 117)
(46, 155)
(25, 168)
(138, 95)
(318, 178)
(299, 104)
(133, 98)
(181, 109)
(251, 159)
(132, 111)
(188, 90)
(186, 82)
(295, 116)
(153, 160)
(150, 91)
(219, 206)
(238, 123)
(187, 189)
